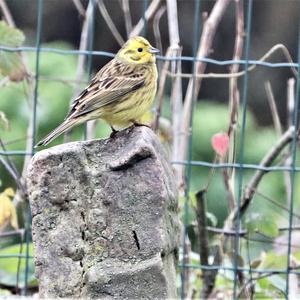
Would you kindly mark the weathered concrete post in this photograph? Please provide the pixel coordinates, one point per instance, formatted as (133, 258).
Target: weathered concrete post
(104, 218)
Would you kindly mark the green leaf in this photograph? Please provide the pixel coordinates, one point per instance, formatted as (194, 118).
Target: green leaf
(9, 266)
(274, 284)
(10, 36)
(212, 218)
(271, 260)
(11, 63)
(257, 222)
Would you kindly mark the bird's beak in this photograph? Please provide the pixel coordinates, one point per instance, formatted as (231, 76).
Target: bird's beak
(153, 50)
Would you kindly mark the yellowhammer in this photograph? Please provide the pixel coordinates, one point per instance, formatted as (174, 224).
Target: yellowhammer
(120, 93)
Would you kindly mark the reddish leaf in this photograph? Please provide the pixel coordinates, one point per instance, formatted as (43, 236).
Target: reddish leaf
(220, 143)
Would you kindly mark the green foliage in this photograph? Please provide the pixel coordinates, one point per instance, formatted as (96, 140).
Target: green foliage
(53, 105)
(9, 266)
(10, 62)
(275, 284)
(259, 222)
(262, 219)
(10, 36)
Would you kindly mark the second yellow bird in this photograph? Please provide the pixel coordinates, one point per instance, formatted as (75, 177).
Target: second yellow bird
(120, 93)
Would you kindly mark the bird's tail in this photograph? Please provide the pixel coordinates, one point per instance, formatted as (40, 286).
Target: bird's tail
(67, 124)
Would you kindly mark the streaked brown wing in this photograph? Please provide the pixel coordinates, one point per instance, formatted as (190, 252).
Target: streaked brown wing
(111, 83)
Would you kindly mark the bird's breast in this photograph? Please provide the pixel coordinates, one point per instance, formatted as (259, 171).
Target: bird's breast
(134, 105)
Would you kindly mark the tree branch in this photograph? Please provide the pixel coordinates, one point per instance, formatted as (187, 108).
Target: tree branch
(79, 7)
(6, 13)
(127, 16)
(269, 158)
(209, 30)
(274, 49)
(149, 13)
(234, 102)
(110, 23)
(273, 108)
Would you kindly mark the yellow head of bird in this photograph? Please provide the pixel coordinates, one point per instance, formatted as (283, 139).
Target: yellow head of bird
(137, 50)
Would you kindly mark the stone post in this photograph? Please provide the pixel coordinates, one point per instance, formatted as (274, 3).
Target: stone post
(104, 218)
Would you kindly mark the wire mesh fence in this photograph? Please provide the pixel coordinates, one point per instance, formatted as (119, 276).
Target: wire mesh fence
(223, 254)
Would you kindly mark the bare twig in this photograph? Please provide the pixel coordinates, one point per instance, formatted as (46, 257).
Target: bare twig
(127, 16)
(156, 30)
(209, 276)
(273, 108)
(248, 194)
(9, 161)
(275, 203)
(186, 261)
(228, 178)
(161, 87)
(13, 171)
(110, 23)
(269, 240)
(203, 240)
(209, 30)
(238, 50)
(176, 95)
(29, 128)
(290, 121)
(269, 158)
(249, 282)
(289, 228)
(149, 13)
(80, 65)
(211, 174)
(9, 169)
(176, 106)
(228, 232)
(173, 23)
(290, 101)
(234, 101)
(79, 7)
(6, 13)
(241, 73)
(81, 58)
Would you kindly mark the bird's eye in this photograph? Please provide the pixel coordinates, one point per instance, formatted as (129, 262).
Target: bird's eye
(140, 49)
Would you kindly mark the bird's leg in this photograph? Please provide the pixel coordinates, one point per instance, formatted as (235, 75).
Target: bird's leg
(135, 123)
(113, 133)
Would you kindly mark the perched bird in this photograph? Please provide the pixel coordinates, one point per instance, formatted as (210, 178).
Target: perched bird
(120, 93)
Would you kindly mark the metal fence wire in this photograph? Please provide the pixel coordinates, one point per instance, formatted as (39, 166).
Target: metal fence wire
(239, 276)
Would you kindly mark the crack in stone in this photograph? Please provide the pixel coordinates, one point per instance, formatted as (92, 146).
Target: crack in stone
(136, 240)
(83, 237)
